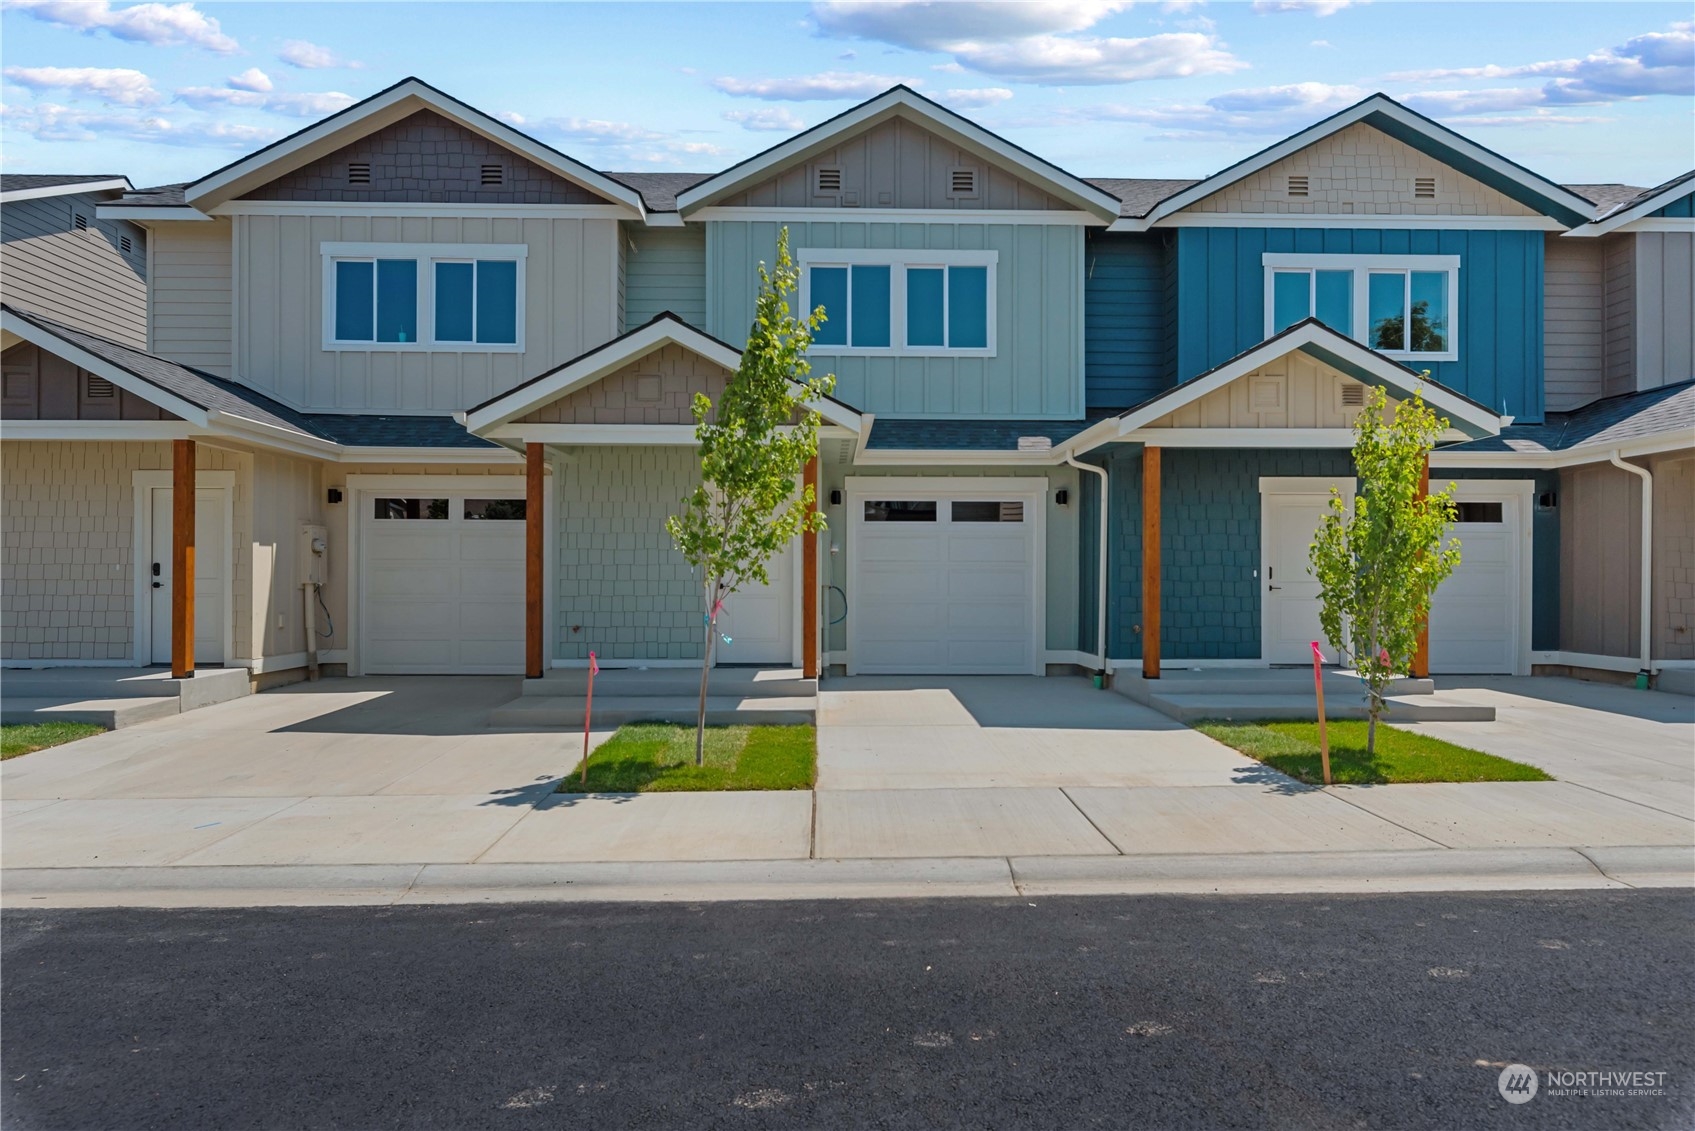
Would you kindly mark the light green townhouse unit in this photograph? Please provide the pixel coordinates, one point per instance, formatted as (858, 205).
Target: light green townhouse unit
(427, 382)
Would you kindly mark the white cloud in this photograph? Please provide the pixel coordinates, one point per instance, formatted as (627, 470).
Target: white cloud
(1314, 7)
(1254, 112)
(1029, 42)
(623, 142)
(250, 79)
(46, 121)
(160, 25)
(1646, 65)
(306, 104)
(309, 56)
(1321, 43)
(116, 85)
(773, 119)
(973, 98)
(809, 88)
(935, 25)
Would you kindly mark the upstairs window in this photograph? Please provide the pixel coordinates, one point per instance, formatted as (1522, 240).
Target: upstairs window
(463, 297)
(902, 303)
(1402, 305)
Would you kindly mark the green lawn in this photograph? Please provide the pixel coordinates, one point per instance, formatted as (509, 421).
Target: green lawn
(1401, 756)
(25, 738)
(659, 758)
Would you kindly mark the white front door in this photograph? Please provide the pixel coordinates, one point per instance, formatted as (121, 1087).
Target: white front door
(1475, 615)
(944, 583)
(1289, 620)
(442, 583)
(757, 624)
(210, 538)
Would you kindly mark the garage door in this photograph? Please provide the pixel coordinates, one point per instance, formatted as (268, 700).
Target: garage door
(1476, 615)
(442, 584)
(944, 583)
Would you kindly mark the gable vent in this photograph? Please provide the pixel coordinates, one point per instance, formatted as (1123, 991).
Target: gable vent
(493, 175)
(1424, 188)
(99, 389)
(827, 179)
(124, 245)
(359, 173)
(962, 182)
(1299, 185)
(1353, 396)
(79, 222)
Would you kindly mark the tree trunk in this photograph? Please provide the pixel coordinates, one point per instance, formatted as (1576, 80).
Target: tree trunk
(705, 670)
(1375, 706)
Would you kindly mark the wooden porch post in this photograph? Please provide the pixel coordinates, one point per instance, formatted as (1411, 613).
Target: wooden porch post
(182, 559)
(1421, 654)
(1150, 562)
(535, 540)
(809, 584)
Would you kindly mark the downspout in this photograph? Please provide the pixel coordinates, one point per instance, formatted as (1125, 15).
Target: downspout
(1647, 610)
(1100, 600)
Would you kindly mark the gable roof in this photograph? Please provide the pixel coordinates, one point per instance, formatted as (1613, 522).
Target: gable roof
(1321, 343)
(903, 102)
(1425, 135)
(585, 369)
(381, 109)
(1641, 205)
(29, 186)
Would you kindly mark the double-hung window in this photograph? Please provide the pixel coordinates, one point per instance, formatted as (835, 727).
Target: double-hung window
(1402, 305)
(459, 297)
(901, 303)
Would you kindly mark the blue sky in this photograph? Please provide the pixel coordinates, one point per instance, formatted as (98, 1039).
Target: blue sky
(169, 91)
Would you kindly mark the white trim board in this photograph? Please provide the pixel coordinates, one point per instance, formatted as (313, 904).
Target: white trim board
(1362, 267)
(73, 189)
(107, 430)
(1605, 663)
(425, 256)
(899, 261)
(1341, 220)
(804, 215)
(142, 486)
(430, 209)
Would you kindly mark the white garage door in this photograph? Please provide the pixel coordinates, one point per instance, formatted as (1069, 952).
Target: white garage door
(442, 584)
(1476, 616)
(944, 583)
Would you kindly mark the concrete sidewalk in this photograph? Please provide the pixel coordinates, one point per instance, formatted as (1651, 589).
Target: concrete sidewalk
(394, 787)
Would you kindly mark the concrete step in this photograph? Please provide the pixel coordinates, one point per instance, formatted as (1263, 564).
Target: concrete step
(616, 710)
(1276, 681)
(666, 683)
(1189, 708)
(109, 713)
(208, 685)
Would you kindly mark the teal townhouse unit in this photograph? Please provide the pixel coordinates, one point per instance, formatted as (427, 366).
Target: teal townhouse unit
(428, 381)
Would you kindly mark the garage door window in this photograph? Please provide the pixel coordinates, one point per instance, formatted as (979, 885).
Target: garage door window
(495, 510)
(886, 510)
(411, 509)
(979, 510)
(1478, 513)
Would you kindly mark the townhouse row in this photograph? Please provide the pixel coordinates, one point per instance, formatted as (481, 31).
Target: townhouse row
(428, 382)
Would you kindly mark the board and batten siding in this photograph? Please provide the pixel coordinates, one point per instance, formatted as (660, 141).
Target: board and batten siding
(188, 312)
(81, 277)
(1127, 317)
(1665, 308)
(1037, 370)
(664, 270)
(1221, 301)
(1574, 321)
(570, 306)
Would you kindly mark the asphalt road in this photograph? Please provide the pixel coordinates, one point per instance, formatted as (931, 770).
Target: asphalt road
(1149, 1012)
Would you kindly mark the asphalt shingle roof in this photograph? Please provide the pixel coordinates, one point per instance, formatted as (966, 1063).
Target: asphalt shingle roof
(967, 435)
(213, 393)
(1139, 195)
(1606, 197)
(158, 196)
(1612, 420)
(18, 182)
(659, 190)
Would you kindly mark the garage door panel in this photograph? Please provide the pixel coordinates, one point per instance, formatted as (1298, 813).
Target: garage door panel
(475, 548)
(1474, 616)
(966, 550)
(898, 549)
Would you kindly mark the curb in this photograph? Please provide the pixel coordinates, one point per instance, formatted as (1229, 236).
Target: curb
(1405, 870)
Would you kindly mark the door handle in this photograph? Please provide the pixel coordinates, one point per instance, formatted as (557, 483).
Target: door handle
(158, 585)
(1272, 587)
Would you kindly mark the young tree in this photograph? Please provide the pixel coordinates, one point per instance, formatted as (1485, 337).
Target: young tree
(1378, 566)
(753, 449)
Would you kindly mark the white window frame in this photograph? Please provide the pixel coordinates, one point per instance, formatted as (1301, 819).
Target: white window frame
(899, 261)
(427, 256)
(1362, 266)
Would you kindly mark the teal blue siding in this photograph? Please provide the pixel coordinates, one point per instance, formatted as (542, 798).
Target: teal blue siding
(1037, 370)
(1682, 208)
(1127, 316)
(664, 269)
(1221, 300)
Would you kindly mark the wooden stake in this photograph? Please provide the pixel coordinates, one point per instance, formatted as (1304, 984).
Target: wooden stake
(588, 714)
(1421, 652)
(1318, 686)
(182, 559)
(1150, 562)
(809, 585)
(535, 547)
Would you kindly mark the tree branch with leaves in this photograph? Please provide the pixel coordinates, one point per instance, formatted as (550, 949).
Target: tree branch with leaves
(754, 445)
(1378, 562)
